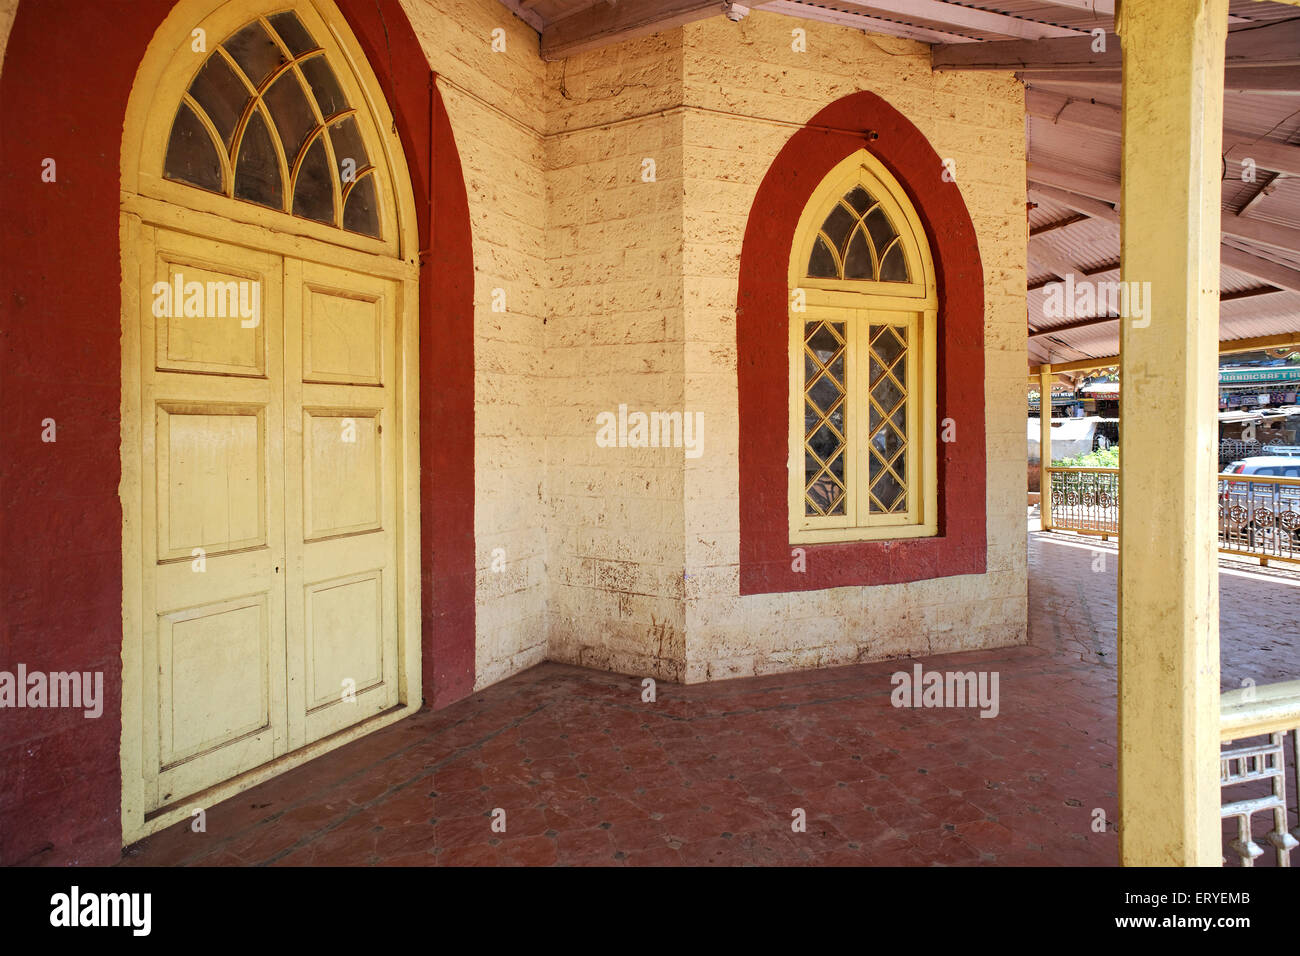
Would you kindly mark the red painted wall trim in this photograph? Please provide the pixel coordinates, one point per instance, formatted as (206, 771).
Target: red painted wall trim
(446, 344)
(763, 371)
(60, 281)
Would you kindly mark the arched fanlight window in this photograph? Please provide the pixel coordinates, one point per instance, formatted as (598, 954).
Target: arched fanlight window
(862, 348)
(857, 241)
(265, 120)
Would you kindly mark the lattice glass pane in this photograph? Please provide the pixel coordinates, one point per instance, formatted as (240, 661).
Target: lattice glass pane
(291, 113)
(346, 138)
(857, 261)
(825, 445)
(860, 200)
(889, 441)
(329, 96)
(833, 488)
(294, 133)
(313, 191)
(361, 210)
(854, 240)
(191, 156)
(889, 343)
(222, 96)
(255, 52)
(887, 444)
(825, 393)
(293, 33)
(822, 342)
(888, 494)
(881, 229)
(837, 226)
(893, 268)
(257, 173)
(821, 264)
(887, 394)
(824, 442)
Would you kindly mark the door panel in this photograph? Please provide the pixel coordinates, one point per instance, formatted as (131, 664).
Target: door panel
(210, 342)
(341, 491)
(212, 481)
(204, 660)
(271, 564)
(214, 558)
(342, 471)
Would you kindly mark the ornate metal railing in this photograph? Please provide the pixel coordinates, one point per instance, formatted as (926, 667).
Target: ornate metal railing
(1268, 715)
(1259, 515)
(1082, 499)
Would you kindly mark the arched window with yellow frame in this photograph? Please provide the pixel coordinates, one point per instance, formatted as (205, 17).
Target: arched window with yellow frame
(862, 362)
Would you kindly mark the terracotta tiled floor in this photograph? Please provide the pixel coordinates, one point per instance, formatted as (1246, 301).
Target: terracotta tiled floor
(710, 774)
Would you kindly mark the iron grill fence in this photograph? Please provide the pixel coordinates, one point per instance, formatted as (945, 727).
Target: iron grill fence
(1259, 515)
(1085, 499)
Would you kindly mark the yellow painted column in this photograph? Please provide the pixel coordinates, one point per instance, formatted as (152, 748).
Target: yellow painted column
(1168, 580)
(1045, 446)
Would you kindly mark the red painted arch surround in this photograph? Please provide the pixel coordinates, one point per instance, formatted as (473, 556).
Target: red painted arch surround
(67, 75)
(762, 341)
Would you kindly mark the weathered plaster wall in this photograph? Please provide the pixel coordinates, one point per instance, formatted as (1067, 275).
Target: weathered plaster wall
(494, 101)
(643, 543)
(8, 10)
(614, 336)
(744, 83)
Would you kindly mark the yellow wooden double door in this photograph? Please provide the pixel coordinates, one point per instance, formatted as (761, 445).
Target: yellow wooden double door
(270, 458)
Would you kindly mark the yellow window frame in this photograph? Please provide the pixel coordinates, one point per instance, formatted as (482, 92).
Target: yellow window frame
(860, 305)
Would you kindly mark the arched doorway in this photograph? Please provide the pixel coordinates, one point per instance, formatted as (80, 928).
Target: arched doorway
(270, 448)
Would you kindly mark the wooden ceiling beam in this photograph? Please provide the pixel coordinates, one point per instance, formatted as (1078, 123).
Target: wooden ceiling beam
(1103, 319)
(1274, 45)
(1080, 184)
(523, 10)
(953, 15)
(1271, 272)
(1093, 208)
(1242, 78)
(1228, 347)
(1274, 235)
(606, 22)
(1248, 293)
(1106, 8)
(1057, 224)
(1071, 326)
(861, 21)
(1237, 145)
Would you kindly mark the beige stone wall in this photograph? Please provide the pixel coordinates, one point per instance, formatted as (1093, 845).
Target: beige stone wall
(614, 336)
(739, 80)
(495, 104)
(622, 291)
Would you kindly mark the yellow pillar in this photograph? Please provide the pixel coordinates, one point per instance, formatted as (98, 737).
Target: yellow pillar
(1045, 446)
(1168, 588)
